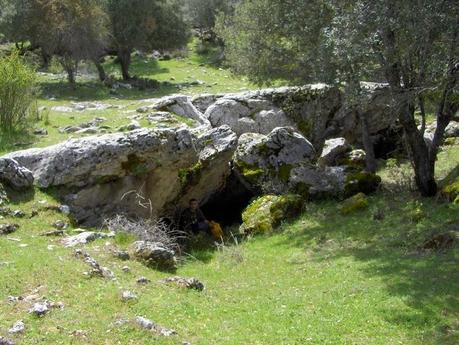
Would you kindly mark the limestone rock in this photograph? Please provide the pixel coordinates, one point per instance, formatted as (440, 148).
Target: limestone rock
(39, 309)
(5, 341)
(6, 229)
(15, 175)
(154, 254)
(128, 296)
(333, 150)
(188, 283)
(18, 327)
(96, 269)
(3, 196)
(84, 237)
(259, 158)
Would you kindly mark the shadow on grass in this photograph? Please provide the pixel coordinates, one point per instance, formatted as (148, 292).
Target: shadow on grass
(428, 282)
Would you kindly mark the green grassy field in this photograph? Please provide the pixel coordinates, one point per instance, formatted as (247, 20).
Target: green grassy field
(323, 279)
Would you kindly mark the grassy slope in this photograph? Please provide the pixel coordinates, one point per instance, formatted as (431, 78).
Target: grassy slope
(324, 279)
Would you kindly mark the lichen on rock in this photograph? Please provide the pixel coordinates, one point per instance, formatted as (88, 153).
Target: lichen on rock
(265, 213)
(354, 203)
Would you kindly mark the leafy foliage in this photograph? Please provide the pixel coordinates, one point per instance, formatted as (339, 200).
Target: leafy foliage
(17, 81)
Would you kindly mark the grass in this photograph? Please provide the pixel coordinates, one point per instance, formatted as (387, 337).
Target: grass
(323, 279)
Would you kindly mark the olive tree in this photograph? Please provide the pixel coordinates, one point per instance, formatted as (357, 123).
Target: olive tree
(144, 25)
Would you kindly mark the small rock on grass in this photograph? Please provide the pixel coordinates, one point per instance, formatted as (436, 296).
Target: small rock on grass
(60, 225)
(150, 325)
(143, 280)
(128, 296)
(39, 309)
(6, 229)
(126, 269)
(18, 327)
(189, 283)
(4, 341)
(53, 233)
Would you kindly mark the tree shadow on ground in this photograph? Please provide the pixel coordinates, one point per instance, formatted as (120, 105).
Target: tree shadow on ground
(427, 281)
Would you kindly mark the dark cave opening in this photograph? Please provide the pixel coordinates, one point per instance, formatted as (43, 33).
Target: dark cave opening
(226, 206)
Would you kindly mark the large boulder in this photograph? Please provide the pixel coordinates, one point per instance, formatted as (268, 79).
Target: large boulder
(262, 158)
(134, 173)
(14, 175)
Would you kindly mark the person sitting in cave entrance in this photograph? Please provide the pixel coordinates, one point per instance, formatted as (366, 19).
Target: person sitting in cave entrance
(193, 220)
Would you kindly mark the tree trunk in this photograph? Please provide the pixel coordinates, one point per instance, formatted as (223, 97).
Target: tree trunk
(100, 70)
(70, 66)
(424, 168)
(370, 159)
(124, 55)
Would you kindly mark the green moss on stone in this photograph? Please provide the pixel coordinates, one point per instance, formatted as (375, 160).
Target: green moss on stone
(361, 181)
(284, 172)
(190, 176)
(451, 190)
(354, 203)
(267, 212)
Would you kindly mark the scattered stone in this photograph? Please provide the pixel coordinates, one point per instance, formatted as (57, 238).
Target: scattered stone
(18, 327)
(53, 233)
(79, 333)
(96, 269)
(85, 237)
(5, 211)
(143, 281)
(40, 131)
(128, 296)
(18, 214)
(4, 341)
(60, 225)
(90, 130)
(154, 254)
(3, 196)
(150, 325)
(188, 283)
(144, 322)
(126, 269)
(39, 309)
(121, 254)
(14, 175)
(15, 299)
(6, 229)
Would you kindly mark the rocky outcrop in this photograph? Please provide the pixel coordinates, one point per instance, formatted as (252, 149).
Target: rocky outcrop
(99, 176)
(154, 254)
(14, 175)
(333, 150)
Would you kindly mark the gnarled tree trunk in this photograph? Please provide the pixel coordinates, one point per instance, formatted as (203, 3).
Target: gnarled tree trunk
(124, 55)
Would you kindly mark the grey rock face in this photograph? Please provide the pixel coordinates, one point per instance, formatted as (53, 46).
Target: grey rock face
(154, 254)
(332, 150)
(15, 175)
(188, 283)
(18, 327)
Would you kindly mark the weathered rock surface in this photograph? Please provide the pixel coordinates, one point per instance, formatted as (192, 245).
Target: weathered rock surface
(154, 254)
(15, 175)
(96, 174)
(5, 341)
(84, 237)
(332, 150)
(96, 269)
(6, 229)
(18, 327)
(188, 283)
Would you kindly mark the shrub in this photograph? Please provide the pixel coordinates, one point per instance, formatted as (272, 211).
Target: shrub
(17, 84)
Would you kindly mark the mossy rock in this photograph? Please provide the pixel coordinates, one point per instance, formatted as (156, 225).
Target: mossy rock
(361, 182)
(267, 212)
(354, 203)
(451, 190)
(190, 176)
(450, 141)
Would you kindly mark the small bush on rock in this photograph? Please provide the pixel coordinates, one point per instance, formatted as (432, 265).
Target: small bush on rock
(267, 212)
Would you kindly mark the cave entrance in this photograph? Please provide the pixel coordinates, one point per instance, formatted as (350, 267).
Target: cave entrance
(226, 206)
